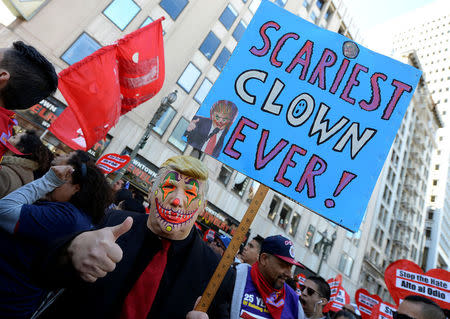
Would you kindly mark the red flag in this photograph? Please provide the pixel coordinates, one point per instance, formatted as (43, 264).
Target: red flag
(110, 82)
(91, 89)
(140, 56)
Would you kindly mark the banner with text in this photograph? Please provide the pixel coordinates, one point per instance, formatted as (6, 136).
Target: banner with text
(404, 277)
(383, 310)
(305, 111)
(366, 302)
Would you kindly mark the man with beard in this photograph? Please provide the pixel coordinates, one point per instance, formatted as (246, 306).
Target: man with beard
(165, 264)
(260, 290)
(315, 294)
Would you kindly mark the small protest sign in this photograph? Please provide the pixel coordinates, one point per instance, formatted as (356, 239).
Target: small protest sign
(383, 310)
(305, 111)
(365, 302)
(339, 297)
(404, 277)
(112, 162)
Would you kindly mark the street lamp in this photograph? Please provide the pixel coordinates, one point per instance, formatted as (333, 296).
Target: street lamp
(326, 244)
(165, 103)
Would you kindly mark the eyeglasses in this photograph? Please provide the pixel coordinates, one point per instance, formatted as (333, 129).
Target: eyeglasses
(397, 315)
(310, 292)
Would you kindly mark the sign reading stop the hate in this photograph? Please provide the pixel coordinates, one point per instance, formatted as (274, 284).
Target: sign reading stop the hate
(305, 111)
(366, 302)
(404, 277)
(383, 310)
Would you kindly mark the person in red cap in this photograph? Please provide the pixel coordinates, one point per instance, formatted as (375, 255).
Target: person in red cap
(26, 78)
(260, 290)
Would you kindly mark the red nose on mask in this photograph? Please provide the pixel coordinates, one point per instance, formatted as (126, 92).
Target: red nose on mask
(176, 201)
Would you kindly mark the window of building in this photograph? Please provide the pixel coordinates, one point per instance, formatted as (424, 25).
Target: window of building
(328, 14)
(430, 214)
(318, 244)
(176, 138)
(222, 59)
(225, 174)
(239, 30)
(309, 235)
(313, 16)
(173, 7)
(435, 181)
(147, 21)
(189, 77)
(203, 90)
(295, 221)
(428, 232)
(306, 3)
(81, 48)
(346, 264)
(281, 3)
(164, 121)
(273, 208)
(121, 12)
(240, 184)
(433, 198)
(228, 16)
(285, 213)
(209, 45)
(436, 167)
(319, 3)
(254, 5)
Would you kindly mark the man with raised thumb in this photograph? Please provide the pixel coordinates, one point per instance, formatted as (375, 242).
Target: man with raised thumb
(165, 264)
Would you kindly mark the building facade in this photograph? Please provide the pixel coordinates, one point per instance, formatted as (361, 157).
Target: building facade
(200, 35)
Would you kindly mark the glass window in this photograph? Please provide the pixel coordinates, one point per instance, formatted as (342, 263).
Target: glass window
(222, 59)
(228, 16)
(318, 244)
(189, 77)
(176, 138)
(239, 30)
(284, 216)
(203, 90)
(309, 235)
(210, 45)
(346, 264)
(173, 7)
(225, 174)
(254, 5)
(240, 184)
(273, 207)
(305, 3)
(295, 221)
(146, 22)
(164, 121)
(313, 16)
(121, 12)
(281, 3)
(81, 48)
(319, 4)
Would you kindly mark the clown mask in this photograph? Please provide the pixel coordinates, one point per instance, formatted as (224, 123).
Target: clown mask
(175, 202)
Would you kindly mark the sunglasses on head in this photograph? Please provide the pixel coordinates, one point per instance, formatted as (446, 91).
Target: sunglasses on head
(309, 291)
(397, 315)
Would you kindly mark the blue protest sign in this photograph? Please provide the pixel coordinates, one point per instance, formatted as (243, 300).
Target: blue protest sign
(307, 112)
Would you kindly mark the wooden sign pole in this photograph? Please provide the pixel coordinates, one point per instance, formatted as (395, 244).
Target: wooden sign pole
(233, 247)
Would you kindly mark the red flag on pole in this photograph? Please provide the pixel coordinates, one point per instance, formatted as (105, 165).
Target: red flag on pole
(110, 82)
(91, 89)
(141, 65)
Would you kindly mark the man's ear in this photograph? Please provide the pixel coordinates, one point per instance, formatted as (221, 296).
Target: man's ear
(4, 78)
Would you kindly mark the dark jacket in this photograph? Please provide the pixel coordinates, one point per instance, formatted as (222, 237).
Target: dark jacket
(199, 136)
(190, 265)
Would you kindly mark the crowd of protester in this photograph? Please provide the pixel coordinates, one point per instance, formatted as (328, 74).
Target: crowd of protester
(62, 225)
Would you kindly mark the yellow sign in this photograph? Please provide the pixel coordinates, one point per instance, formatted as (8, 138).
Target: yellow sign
(25, 8)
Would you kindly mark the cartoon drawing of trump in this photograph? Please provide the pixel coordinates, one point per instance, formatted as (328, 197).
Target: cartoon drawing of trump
(208, 134)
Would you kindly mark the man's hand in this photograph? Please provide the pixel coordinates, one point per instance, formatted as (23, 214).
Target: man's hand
(192, 125)
(63, 172)
(194, 314)
(95, 253)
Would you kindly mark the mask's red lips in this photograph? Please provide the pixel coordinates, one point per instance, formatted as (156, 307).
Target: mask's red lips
(171, 216)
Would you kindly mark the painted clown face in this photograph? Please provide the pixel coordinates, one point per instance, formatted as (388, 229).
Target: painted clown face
(221, 119)
(176, 200)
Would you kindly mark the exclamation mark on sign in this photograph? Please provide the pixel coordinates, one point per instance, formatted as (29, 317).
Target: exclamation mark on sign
(346, 178)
